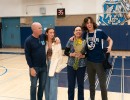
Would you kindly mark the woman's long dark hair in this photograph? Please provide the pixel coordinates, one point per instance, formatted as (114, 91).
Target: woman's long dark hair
(47, 30)
(84, 28)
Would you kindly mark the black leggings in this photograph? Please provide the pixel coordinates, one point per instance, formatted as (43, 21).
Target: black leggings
(93, 69)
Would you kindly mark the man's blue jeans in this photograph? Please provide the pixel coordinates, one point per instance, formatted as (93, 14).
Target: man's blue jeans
(41, 76)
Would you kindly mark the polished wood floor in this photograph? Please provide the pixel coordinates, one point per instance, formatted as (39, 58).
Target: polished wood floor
(15, 83)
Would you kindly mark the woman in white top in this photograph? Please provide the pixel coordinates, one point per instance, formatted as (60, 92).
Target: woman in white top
(54, 62)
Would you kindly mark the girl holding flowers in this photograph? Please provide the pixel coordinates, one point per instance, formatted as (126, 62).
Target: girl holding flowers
(76, 65)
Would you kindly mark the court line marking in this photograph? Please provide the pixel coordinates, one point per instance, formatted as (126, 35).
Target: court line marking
(2, 67)
(11, 78)
(8, 58)
(13, 97)
(17, 69)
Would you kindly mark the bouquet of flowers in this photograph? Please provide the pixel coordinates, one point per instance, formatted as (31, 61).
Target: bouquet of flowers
(79, 47)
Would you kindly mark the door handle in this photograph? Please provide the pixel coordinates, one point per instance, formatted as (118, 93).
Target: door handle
(12, 36)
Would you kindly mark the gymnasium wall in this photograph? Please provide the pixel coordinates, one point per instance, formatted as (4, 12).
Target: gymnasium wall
(12, 31)
(119, 34)
(72, 20)
(21, 8)
(69, 20)
(18, 28)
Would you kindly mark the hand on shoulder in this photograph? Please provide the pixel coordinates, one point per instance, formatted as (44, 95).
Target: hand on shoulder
(57, 40)
(71, 38)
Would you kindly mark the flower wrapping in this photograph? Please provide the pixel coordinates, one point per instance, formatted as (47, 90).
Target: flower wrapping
(79, 47)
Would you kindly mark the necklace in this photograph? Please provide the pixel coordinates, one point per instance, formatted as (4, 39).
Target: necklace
(92, 45)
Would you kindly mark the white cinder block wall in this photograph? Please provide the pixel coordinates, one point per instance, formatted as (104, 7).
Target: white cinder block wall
(12, 8)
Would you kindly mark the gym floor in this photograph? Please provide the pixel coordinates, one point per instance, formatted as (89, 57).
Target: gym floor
(15, 83)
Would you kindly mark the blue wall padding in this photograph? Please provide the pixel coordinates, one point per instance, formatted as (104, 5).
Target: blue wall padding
(64, 33)
(25, 32)
(120, 35)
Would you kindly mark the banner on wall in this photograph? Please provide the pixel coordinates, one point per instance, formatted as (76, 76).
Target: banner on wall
(115, 12)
